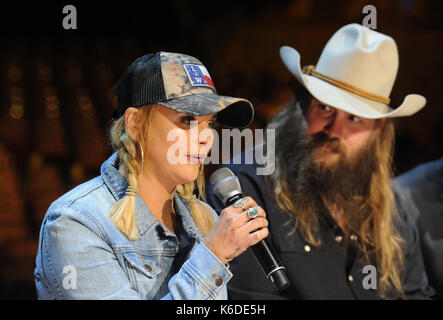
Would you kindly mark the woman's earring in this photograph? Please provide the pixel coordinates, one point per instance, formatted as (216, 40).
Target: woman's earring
(143, 155)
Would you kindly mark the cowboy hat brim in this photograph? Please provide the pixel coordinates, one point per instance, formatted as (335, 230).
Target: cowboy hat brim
(341, 99)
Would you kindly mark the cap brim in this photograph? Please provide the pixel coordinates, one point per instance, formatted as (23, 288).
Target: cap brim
(231, 112)
(344, 100)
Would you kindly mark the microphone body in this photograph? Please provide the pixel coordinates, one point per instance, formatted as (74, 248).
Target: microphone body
(264, 253)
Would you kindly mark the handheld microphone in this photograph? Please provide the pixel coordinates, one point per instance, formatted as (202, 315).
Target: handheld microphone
(227, 188)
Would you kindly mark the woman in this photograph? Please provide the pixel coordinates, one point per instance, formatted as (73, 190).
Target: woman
(138, 231)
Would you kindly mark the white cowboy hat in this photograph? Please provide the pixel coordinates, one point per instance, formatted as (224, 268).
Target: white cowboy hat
(355, 73)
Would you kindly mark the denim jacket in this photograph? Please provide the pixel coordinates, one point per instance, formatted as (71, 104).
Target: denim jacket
(82, 255)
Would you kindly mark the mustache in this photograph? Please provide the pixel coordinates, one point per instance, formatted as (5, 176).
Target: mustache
(321, 139)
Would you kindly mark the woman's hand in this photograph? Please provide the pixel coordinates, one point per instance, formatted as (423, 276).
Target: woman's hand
(234, 231)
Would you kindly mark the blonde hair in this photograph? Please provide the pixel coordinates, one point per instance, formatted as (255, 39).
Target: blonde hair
(131, 165)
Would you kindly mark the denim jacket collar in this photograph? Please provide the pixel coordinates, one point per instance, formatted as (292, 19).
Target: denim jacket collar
(144, 219)
(117, 184)
(112, 178)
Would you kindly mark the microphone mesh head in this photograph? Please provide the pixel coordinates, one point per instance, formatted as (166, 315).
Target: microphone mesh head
(225, 184)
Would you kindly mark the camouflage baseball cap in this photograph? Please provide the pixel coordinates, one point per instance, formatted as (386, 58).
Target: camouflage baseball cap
(179, 82)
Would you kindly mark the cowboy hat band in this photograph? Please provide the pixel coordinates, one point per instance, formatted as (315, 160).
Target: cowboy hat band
(310, 70)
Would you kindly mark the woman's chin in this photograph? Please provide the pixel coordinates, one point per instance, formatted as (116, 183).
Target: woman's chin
(187, 173)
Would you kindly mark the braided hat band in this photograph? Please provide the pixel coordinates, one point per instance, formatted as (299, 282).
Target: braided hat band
(310, 70)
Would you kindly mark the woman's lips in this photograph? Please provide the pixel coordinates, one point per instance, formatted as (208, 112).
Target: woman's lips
(196, 158)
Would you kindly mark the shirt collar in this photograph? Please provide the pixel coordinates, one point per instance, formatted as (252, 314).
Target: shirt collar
(113, 179)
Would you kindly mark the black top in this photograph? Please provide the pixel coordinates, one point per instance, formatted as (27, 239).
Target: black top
(422, 187)
(331, 271)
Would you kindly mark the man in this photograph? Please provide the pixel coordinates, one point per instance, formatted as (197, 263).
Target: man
(332, 214)
(422, 188)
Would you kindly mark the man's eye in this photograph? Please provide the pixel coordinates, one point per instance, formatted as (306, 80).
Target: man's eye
(212, 124)
(325, 108)
(354, 119)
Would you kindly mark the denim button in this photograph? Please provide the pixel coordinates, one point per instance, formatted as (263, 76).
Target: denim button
(147, 266)
(218, 280)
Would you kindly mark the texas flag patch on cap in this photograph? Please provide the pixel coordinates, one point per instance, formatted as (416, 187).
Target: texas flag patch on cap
(198, 75)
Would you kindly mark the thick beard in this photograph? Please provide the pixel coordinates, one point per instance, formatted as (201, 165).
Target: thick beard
(313, 179)
(348, 177)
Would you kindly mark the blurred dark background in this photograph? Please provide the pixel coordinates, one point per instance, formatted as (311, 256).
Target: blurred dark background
(56, 95)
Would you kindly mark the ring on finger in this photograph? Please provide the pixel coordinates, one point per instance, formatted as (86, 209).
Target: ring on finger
(252, 213)
(240, 203)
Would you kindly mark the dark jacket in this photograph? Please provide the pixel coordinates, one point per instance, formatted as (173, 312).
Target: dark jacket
(326, 272)
(422, 187)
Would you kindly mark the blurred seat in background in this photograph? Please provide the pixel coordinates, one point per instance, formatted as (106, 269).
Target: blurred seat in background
(43, 186)
(17, 246)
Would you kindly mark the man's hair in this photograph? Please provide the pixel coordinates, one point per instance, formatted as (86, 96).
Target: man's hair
(294, 192)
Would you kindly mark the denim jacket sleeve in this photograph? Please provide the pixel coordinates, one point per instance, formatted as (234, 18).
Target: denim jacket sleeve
(76, 261)
(202, 277)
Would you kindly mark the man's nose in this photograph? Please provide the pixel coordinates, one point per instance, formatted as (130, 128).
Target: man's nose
(335, 127)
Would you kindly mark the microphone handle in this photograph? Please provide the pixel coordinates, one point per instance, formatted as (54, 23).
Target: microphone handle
(266, 257)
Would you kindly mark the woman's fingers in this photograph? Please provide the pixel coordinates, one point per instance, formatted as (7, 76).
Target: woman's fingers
(236, 230)
(258, 235)
(259, 222)
(253, 213)
(251, 238)
(255, 224)
(240, 219)
(243, 204)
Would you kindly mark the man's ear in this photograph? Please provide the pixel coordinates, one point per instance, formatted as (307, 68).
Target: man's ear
(131, 118)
